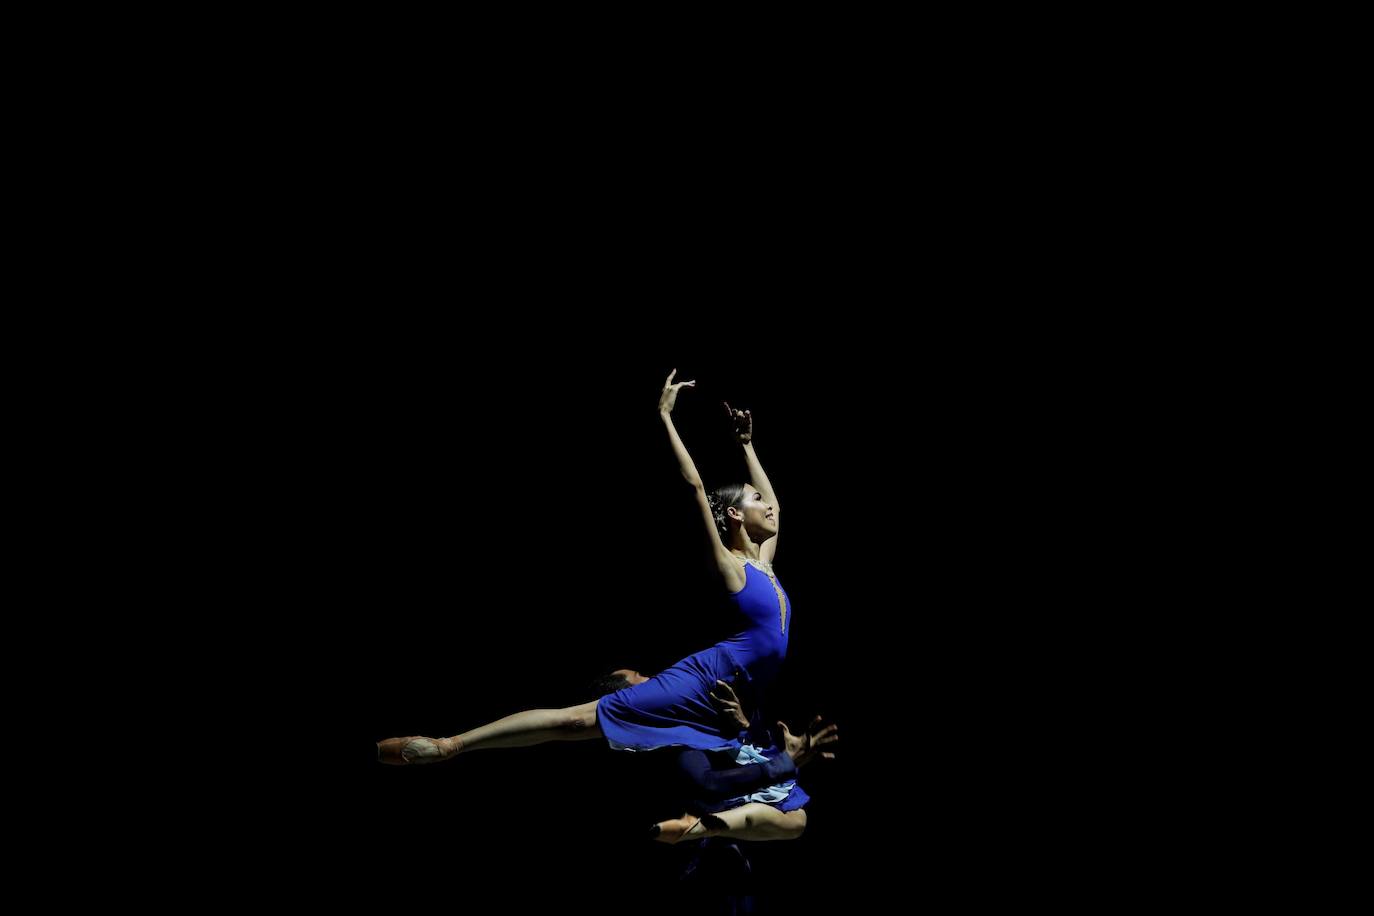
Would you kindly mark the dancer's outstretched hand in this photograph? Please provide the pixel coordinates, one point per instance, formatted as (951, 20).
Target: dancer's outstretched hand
(805, 747)
(743, 422)
(668, 398)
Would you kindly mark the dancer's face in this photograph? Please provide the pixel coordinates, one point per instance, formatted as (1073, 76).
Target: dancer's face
(759, 517)
(634, 677)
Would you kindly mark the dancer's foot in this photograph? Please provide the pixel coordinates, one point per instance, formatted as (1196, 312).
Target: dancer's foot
(416, 750)
(687, 827)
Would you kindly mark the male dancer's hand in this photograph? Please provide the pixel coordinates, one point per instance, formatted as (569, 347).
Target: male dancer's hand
(725, 698)
(805, 747)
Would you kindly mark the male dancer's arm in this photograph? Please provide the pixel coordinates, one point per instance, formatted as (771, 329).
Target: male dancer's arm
(717, 784)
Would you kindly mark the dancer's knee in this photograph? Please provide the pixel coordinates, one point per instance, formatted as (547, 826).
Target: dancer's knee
(578, 721)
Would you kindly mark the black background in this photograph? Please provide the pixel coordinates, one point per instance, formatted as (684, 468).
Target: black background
(416, 480)
(482, 516)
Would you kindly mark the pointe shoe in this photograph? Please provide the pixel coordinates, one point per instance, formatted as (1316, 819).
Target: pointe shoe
(677, 830)
(415, 750)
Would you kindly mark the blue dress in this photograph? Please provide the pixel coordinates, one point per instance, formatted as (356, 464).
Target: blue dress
(674, 707)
